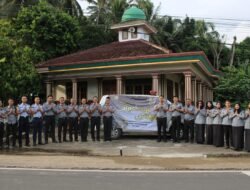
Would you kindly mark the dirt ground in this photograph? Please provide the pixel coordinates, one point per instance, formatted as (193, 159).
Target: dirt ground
(61, 161)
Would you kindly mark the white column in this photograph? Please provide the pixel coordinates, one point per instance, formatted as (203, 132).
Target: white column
(74, 89)
(188, 85)
(155, 83)
(48, 88)
(194, 90)
(119, 84)
(199, 87)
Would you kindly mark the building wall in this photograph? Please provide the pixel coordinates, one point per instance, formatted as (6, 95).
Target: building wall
(92, 88)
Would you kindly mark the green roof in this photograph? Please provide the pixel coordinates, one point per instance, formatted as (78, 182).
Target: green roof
(133, 13)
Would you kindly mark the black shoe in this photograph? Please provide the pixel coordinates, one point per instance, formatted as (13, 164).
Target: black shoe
(20, 146)
(46, 142)
(34, 144)
(28, 145)
(76, 140)
(158, 140)
(40, 143)
(165, 140)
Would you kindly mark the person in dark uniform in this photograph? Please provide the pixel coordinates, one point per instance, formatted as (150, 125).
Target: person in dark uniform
(218, 134)
(107, 112)
(238, 127)
(72, 111)
(23, 110)
(2, 116)
(200, 121)
(161, 119)
(37, 120)
(11, 129)
(176, 109)
(62, 119)
(247, 129)
(189, 111)
(96, 111)
(84, 119)
(209, 122)
(227, 123)
(49, 109)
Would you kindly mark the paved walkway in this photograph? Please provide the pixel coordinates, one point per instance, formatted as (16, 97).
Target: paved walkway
(132, 146)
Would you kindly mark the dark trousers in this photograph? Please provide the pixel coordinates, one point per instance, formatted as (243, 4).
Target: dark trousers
(95, 123)
(62, 127)
(209, 134)
(238, 137)
(1, 133)
(161, 125)
(73, 126)
(247, 140)
(176, 125)
(37, 124)
(218, 135)
(49, 128)
(84, 126)
(200, 133)
(11, 130)
(24, 126)
(107, 122)
(188, 131)
(228, 135)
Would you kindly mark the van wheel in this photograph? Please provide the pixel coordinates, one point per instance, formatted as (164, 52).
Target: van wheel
(116, 133)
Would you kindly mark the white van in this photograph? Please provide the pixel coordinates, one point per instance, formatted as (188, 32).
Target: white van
(134, 114)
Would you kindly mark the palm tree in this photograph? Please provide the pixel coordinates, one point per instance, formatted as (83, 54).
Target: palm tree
(10, 8)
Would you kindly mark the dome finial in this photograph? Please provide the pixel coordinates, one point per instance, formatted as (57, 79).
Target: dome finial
(133, 13)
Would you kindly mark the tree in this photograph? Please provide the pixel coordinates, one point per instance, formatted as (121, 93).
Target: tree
(234, 85)
(10, 8)
(18, 74)
(47, 30)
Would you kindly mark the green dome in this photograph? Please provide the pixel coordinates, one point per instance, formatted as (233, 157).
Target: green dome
(133, 13)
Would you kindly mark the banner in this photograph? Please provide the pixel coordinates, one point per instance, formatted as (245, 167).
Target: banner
(134, 112)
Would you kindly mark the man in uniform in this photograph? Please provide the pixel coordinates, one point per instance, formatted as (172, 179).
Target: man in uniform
(107, 112)
(84, 119)
(176, 109)
(11, 128)
(49, 109)
(73, 119)
(62, 119)
(189, 111)
(23, 110)
(95, 110)
(37, 121)
(2, 116)
(161, 118)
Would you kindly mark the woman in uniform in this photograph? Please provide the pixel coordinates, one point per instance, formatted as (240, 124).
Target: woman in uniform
(200, 120)
(218, 133)
(247, 129)
(238, 127)
(209, 123)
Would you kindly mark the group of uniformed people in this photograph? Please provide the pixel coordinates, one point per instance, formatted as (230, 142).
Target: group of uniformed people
(218, 126)
(71, 118)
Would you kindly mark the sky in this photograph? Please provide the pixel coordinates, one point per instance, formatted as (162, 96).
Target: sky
(223, 13)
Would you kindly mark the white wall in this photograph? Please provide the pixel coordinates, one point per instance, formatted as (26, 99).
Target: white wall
(142, 34)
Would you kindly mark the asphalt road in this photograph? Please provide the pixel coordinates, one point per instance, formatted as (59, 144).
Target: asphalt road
(26, 179)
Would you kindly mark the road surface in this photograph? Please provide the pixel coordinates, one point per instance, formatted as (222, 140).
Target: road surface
(43, 179)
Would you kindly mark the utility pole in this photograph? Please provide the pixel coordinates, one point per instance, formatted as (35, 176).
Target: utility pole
(231, 61)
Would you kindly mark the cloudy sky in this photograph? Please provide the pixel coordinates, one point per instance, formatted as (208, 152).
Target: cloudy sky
(232, 17)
